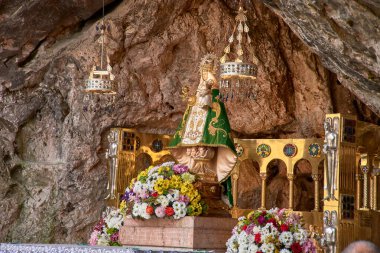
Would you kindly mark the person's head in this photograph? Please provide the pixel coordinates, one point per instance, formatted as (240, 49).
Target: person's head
(361, 247)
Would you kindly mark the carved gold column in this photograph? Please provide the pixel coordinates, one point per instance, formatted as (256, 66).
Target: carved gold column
(316, 178)
(263, 190)
(375, 192)
(371, 192)
(358, 178)
(235, 178)
(291, 190)
(365, 187)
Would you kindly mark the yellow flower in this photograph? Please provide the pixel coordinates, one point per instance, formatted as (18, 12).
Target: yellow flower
(175, 182)
(142, 174)
(132, 182)
(163, 169)
(158, 186)
(186, 188)
(165, 184)
(197, 209)
(123, 205)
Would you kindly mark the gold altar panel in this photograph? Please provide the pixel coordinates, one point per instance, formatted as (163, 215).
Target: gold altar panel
(135, 152)
(266, 153)
(357, 181)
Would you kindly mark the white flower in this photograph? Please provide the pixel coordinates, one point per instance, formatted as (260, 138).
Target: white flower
(167, 164)
(285, 251)
(173, 195)
(256, 229)
(163, 200)
(241, 218)
(103, 240)
(273, 210)
(137, 187)
(150, 185)
(232, 244)
(143, 212)
(286, 238)
(114, 220)
(243, 239)
(300, 236)
(153, 170)
(268, 233)
(176, 216)
(136, 210)
(252, 248)
(267, 248)
(179, 209)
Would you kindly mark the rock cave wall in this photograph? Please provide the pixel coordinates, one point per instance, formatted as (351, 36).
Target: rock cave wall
(52, 141)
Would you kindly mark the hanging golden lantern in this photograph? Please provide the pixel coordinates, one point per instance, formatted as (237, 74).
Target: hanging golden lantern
(236, 73)
(101, 79)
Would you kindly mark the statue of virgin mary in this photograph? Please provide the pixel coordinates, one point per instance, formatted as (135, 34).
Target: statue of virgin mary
(203, 140)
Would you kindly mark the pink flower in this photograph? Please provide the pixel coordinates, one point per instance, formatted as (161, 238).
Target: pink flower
(99, 226)
(115, 237)
(309, 247)
(281, 212)
(250, 228)
(261, 219)
(180, 169)
(183, 198)
(160, 212)
(94, 238)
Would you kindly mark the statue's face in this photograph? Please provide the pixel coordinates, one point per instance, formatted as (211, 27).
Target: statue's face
(110, 137)
(326, 125)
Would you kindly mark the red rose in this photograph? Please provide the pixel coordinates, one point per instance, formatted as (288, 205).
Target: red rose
(154, 194)
(284, 228)
(150, 210)
(296, 247)
(273, 221)
(244, 227)
(169, 211)
(257, 238)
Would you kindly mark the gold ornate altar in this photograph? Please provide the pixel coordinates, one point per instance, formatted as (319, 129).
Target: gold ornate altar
(130, 152)
(290, 152)
(357, 181)
(343, 168)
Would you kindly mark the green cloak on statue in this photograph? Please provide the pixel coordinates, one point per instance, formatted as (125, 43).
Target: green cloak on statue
(204, 132)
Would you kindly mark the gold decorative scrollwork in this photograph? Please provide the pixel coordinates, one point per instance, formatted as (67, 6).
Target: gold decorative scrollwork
(211, 127)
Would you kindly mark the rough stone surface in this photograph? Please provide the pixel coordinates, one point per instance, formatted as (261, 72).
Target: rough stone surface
(345, 34)
(52, 141)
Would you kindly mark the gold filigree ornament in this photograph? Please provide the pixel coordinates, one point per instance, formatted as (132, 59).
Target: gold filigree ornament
(237, 73)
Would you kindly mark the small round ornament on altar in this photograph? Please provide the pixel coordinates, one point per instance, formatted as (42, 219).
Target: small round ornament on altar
(290, 150)
(138, 143)
(239, 149)
(263, 150)
(157, 145)
(314, 150)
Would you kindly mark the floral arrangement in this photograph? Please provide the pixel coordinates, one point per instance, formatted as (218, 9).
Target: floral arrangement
(270, 231)
(166, 190)
(106, 232)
